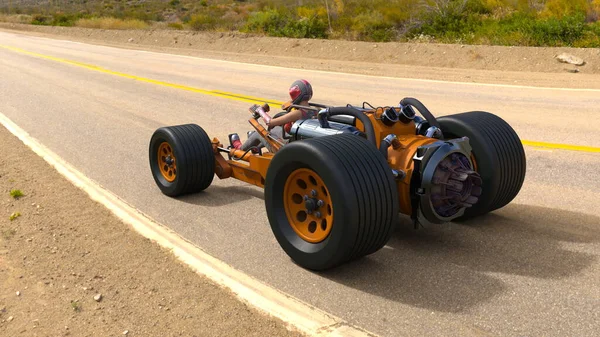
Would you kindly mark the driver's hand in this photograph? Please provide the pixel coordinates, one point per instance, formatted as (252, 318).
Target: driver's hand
(254, 110)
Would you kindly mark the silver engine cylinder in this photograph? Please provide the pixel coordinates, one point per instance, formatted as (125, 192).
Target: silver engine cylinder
(311, 128)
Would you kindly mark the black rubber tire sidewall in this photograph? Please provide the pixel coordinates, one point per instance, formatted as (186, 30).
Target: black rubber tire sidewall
(498, 153)
(192, 149)
(350, 237)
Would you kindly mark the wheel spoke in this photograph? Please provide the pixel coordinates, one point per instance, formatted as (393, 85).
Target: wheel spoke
(296, 190)
(295, 208)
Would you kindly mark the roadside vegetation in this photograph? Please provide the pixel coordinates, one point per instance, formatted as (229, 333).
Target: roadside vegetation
(496, 22)
(16, 194)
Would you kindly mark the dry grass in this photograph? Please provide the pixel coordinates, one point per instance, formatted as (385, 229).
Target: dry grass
(111, 23)
(15, 18)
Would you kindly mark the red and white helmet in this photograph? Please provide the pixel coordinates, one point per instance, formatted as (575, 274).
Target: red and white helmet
(300, 91)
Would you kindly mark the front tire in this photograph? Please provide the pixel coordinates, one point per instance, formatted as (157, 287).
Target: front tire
(346, 180)
(181, 159)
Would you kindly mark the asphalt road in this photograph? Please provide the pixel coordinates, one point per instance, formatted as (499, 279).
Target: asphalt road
(530, 268)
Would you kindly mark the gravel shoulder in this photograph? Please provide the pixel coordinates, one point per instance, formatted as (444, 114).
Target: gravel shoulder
(68, 267)
(529, 66)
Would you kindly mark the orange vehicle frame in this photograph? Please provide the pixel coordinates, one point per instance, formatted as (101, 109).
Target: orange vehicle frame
(252, 168)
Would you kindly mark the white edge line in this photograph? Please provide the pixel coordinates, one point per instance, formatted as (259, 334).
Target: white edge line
(296, 314)
(510, 86)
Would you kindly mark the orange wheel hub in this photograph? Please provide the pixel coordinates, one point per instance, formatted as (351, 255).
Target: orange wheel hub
(308, 205)
(167, 162)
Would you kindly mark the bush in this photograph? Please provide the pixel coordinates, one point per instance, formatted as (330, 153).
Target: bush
(275, 23)
(310, 24)
(202, 22)
(371, 26)
(111, 23)
(542, 32)
(504, 22)
(61, 19)
(269, 22)
(557, 32)
(41, 20)
(590, 38)
(450, 28)
(305, 28)
(561, 8)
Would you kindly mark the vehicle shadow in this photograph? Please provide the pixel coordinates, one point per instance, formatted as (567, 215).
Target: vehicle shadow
(217, 195)
(450, 268)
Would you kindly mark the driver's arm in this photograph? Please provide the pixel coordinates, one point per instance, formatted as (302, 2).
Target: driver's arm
(291, 116)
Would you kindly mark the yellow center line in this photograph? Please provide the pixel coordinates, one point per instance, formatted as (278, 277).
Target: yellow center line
(245, 98)
(217, 93)
(562, 146)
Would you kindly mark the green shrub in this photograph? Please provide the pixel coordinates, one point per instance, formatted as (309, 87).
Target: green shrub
(478, 6)
(61, 19)
(542, 32)
(590, 38)
(41, 20)
(312, 27)
(371, 26)
(503, 22)
(273, 22)
(202, 22)
(269, 22)
(16, 194)
(450, 28)
(557, 32)
(12, 217)
(595, 28)
(561, 8)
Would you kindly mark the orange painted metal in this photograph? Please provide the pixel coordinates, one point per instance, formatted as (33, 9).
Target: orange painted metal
(243, 166)
(316, 226)
(252, 168)
(400, 157)
(245, 173)
(474, 162)
(168, 171)
(382, 130)
(222, 168)
(265, 134)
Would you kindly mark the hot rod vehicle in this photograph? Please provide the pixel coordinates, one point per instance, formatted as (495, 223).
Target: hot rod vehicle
(335, 186)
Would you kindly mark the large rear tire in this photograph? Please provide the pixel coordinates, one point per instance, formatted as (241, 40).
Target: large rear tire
(346, 180)
(181, 159)
(498, 155)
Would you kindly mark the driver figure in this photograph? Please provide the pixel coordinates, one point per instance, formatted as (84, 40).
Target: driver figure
(300, 92)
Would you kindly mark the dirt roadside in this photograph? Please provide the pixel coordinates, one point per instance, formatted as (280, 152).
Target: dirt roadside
(65, 249)
(532, 66)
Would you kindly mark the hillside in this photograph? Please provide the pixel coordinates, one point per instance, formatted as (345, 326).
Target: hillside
(572, 23)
